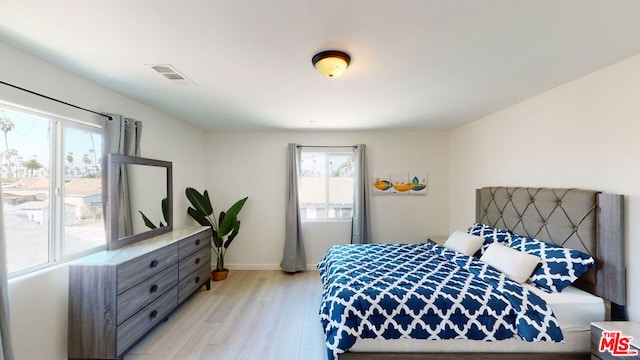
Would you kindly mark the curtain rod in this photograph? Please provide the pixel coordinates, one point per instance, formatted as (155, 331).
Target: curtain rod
(56, 100)
(327, 146)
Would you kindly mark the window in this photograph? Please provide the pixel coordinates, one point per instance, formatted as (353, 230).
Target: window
(326, 184)
(52, 192)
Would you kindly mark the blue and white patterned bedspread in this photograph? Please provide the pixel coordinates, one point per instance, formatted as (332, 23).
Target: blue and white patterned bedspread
(423, 291)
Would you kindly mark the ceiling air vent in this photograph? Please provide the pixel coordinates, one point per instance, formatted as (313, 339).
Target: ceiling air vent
(169, 72)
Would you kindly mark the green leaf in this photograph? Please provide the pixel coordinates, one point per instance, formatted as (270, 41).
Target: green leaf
(165, 210)
(233, 235)
(199, 217)
(217, 240)
(199, 201)
(235, 208)
(229, 222)
(147, 222)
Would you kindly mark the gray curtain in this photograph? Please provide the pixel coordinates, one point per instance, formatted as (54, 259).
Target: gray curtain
(120, 136)
(360, 227)
(294, 258)
(5, 334)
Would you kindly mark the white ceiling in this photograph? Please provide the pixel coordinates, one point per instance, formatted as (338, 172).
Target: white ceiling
(416, 64)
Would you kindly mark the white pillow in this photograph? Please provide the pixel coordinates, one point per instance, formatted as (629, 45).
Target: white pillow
(464, 242)
(517, 265)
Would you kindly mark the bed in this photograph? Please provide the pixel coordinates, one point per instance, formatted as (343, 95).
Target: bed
(360, 281)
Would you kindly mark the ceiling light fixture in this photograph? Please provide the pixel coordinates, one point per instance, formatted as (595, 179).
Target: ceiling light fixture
(331, 63)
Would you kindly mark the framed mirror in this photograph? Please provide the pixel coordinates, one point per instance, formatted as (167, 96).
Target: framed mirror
(136, 187)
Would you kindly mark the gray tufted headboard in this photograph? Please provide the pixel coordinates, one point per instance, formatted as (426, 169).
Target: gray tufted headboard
(583, 220)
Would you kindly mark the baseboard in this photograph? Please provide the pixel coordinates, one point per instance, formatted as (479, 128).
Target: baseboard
(261, 266)
(252, 266)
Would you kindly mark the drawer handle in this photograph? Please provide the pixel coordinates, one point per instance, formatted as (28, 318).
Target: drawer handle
(153, 288)
(197, 261)
(154, 263)
(197, 242)
(197, 279)
(153, 314)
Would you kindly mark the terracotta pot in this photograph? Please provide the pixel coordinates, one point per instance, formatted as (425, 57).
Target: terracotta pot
(219, 275)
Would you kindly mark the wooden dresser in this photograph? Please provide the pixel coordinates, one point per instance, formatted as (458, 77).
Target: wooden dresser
(117, 297)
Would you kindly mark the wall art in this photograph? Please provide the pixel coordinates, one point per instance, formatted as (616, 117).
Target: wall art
(399, 183)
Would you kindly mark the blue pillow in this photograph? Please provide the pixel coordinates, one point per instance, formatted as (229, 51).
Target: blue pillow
(558, 267)
(490, 235)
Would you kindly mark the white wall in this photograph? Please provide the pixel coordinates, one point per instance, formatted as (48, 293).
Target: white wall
(254, 164)
(39, 301)
(583, 134)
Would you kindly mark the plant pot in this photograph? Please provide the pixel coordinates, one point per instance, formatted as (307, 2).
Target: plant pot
(219, 275)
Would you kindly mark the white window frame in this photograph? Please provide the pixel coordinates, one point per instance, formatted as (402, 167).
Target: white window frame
(327, 151)
(56, 188)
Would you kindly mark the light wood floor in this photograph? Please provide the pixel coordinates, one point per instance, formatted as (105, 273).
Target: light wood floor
(250, 315)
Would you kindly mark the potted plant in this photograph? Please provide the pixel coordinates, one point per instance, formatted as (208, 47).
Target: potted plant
(224, 229)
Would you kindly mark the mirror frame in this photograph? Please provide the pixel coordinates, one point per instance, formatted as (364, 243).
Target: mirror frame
(114, 162)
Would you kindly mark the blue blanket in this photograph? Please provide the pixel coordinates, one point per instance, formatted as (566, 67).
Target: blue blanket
(423, 291)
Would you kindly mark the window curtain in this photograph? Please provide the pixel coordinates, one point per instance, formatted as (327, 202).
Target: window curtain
(120, 136)
(294, 258)
(360, 227)
(5, 334)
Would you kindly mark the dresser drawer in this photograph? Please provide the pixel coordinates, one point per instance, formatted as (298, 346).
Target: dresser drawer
(134, 271)
(137, 297)
(192, 282)
(195, 261)
(131, 330)
(194, 243)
